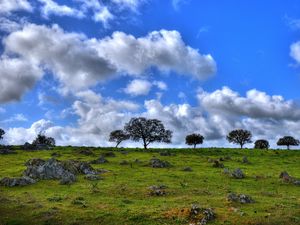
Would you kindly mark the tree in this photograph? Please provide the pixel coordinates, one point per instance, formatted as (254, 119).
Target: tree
(147, 130)
(194, 139)
(288, 140)
(118, 136)
(43, 139)
(2, 132)
(240, 137)
(261, 144)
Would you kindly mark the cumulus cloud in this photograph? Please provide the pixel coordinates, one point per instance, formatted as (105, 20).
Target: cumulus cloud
(50, 7)
(8, 6)
(162, 49)
(131, 4)
(15, 118)
(255, 104)
(138, 87)
(9, 25)
(78, 62)
(17, 77)
(295, 51)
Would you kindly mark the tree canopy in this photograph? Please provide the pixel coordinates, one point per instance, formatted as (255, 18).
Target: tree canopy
(240, 137)
(118, 136)
(147, 130)
(288, 141)
(43, 139)
(2, 132)
(194, 139)
(261, 144)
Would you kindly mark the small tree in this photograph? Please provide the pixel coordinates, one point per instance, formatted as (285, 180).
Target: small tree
(288, 141)
(147, 130)
(2, 132)
(118, 136)
(240, 137)
(194, 139)
(261, 144)
(43, 139)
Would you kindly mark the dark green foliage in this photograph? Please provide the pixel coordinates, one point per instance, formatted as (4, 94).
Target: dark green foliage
(118, 136)
(43, 139)
(2, 132)
(288, 141)
(194, 139)
(261, 144)
(240, 137)
(147, 130)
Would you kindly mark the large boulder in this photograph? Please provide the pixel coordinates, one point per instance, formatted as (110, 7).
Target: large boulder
(18, 181)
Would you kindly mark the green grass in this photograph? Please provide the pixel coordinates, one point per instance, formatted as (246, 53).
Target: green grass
(122, 196)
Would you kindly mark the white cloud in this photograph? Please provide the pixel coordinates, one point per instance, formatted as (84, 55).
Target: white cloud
(295, 51)
(255, 104)
(138, 87)
(8, 25)
(178, 3)
(15, 118)
(78, 62)
(50, 7)
(131, 4)
(103, 15)
(162, 49)
(17, 77)
(161, 85)
(8, 6)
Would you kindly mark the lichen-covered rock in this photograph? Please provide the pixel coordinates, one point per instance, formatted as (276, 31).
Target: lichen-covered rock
(240, 198)
(67, 178)
(238, 174)
(100, 160)
(157, 163)
(157, 190)
(245, 160)
(289, 179)
(92, 177)
(18, 181)
(201, 216)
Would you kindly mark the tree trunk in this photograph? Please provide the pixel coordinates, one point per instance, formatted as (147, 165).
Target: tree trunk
(118, 144)
(241, 146)
(145, 146)
(195, 145)
(288, 147)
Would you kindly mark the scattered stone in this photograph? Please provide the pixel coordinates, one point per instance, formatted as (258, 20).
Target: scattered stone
(79, 201)
(210, 160)
(99, 171)
(201, 216)
(157, 163)
(108, 154)
(124, 152)
(221, 159)
(55, 154)
(238, 174)
(241, 198)
(124, 163)
(226, 171)
(19, 181)
(245, 160)
(86, 152)
(157, 190)
(137, 161)
(7, 151)
(55, 199)
(288, 179)
(166, 153)
(100, 160)
(92, 177)
(187, 169)
(218, 164)
(42, 147)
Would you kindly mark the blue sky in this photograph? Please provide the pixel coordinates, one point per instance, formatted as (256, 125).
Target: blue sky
(77, 69)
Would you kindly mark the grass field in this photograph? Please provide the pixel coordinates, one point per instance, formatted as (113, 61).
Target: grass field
(122, 197)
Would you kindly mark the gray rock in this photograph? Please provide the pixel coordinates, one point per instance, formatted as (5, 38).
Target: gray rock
(238, 174)
(157, 163)
(92, 177)
(100, 160)
(245, 160)
(7, 151)
(157, 190)
(124, 163)
(86, 152)
(166, 153)
(187, 169)
(207, 215)
(108, 154)
(68, 178)
(19, 181)
(218, 164)
(240, 198)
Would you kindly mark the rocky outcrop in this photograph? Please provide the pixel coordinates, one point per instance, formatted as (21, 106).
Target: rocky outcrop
(18, 181)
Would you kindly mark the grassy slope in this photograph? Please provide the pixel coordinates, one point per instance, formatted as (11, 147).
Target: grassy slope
(122, 197)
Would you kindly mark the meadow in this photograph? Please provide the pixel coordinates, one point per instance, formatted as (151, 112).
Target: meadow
(122, 196)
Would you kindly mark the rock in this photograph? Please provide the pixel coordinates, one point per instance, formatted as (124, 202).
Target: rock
(99, 171)
(100, 160)
(166, 153)
(210, 160)
(238, 174)
(86, 152)
(55, 154)
(218, 164)
(201, 216)
(241, 198)
(289, 179)
(108, 154)
(245, 160)
(137, 161)
(157, 163)
(124, 163)
(19, 181)
(68, 178)
(42, 147)
(7, 151)
(157, 190)
(187, 169)
(92, 177)
(124, 152)
(226, 171)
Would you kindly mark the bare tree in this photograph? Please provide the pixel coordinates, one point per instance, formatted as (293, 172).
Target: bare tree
(194, 139)
(147, 130)
(240, 137)
(118, 136)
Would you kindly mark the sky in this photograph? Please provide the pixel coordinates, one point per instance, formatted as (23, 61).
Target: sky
(76, 70)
